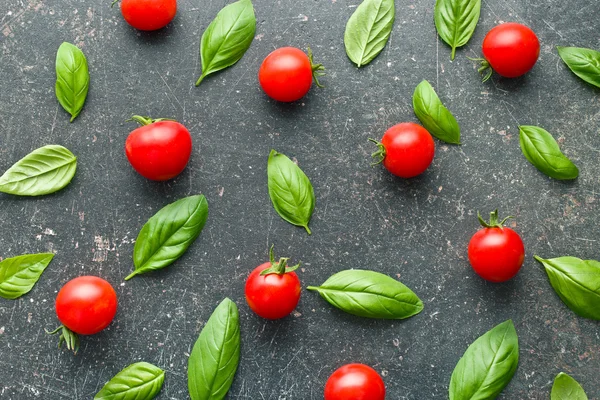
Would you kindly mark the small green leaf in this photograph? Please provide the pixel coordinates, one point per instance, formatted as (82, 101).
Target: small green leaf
(368, 30)
(19, 274)
(227, 37)
(216, 354)
(585, 63)
(540, 149)
(168, 234)
(433, 115)
(43, 171)
(139, 381)
(567, 388)
(369, 294)
(455, 21)
(487, 365)
(72, 78)
(290, 190)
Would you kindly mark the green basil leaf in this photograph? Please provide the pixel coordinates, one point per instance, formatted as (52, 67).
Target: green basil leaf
(227, 37)
(43, 171)
(433, 115)
(540, 149)
(290, 190)
(455, 21)
(72, 78)
(19, 274)
(577, 283)
(216, 354)
(168, 234)
(369, 294)
(487, 366)
(368, 30)
(585, 63)
(139, 381)
(567, 388)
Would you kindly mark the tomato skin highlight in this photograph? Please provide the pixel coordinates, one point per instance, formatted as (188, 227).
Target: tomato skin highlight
(148, 15)
(272, 296)
(286, 74)
(355, 382)
(409, 149)
(511, 49)
(86, 305)
(496, 254)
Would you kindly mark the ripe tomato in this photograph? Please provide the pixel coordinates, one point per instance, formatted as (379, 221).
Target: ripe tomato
(496, 252)
(355, 382)
(148, 15)
(273, 289)
(510, 49)
(86, 305)
(160, 149)
(406, 150)
(287, 74)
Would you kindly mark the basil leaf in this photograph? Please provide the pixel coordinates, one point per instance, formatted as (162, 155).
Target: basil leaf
(577, 283)
(567, 388)
(540, 149)
(72, 78)
(433, 115)
(19, 274)
(168, 234)
(455, 21)
(139, 381)
(369, 294)
(43, 171)
(487, 366)
(216, 354)
(227, 37)
(585, 63)
(290, 190)
(368, 30)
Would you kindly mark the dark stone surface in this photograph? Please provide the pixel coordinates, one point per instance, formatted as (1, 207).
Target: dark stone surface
(416, 230)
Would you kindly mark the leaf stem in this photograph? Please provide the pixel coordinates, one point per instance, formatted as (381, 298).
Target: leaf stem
(315, 288)
(307, 229)
(131, 275)
(200, 79)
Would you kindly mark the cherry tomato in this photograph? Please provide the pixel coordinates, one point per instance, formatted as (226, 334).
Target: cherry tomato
(160, 149)
(86, 305)
(510, 49)
(496, 252)
(355, 382)
(287, 74)
(148, 15)
(273, 289)
(406, 150)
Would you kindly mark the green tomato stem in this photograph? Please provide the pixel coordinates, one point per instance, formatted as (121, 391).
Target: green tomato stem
(316, 71)
(379, 155)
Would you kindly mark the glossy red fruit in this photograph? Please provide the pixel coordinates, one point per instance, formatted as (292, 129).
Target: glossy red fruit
(148, 15)
(355, 382)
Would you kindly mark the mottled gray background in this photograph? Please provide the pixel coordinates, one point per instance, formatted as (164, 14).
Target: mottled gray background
(416, 230)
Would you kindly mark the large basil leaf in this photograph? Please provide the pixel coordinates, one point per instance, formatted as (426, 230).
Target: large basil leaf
(290, 190)
(19, 274)
(227, 37)
(368, 30)
(585, 63)
(577, 283)
(43, 171)
(168, 234)
(139, 381)
(540, 149)
(433, 115)
(72, 78)
(567, 388)
(455, 21)
(369, 294)
(216, 354)
(487, 366)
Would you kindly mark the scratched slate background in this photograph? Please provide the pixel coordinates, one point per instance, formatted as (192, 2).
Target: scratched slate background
(416, 230)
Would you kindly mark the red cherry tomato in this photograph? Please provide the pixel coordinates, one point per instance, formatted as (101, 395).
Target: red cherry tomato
(86, 305)
(406, 150)
(510, 49)
(355, 382)
(158, 150)
(273, 289)
(148, 15)
(496, 252)
(287, 74)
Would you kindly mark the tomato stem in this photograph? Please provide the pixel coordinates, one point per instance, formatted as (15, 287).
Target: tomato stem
(494, 222)
(67, 336)
(379, 155)
(484, 67)
(280, 267)
(147, 120)
(316, 73)
(113, 3)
